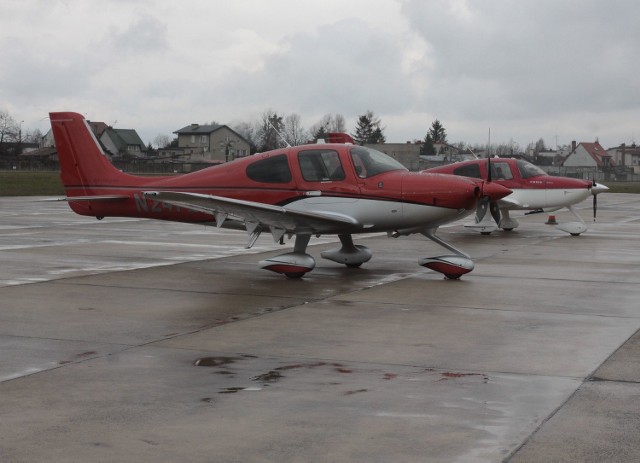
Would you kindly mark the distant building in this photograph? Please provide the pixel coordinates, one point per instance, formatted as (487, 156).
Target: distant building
(626, 156)
(408, 154)
(122, 143)
(116, 142)
(589, 155)
(211, 143)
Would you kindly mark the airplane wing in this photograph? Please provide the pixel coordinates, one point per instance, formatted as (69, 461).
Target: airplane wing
(509, 201)
(258, 216)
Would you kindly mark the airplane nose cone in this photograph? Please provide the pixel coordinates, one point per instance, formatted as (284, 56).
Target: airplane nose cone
(495, 191)
(598, 188)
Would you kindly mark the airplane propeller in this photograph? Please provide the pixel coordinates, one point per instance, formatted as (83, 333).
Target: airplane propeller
(595, 199)
(486, 204)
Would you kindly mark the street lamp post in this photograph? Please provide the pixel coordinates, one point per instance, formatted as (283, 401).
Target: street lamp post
(20, 137)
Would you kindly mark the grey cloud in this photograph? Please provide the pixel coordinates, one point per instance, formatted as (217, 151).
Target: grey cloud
(345, 67)
(146, 34)
(530, 57)
(29, 75)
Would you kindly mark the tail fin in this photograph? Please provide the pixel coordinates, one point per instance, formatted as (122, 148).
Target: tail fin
(83, 164)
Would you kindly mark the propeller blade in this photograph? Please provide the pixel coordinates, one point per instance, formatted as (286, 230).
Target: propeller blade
(488, 168)
(481, 209)
(495, 211)
(595, 196)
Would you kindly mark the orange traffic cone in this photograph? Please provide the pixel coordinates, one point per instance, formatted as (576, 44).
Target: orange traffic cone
(552, 220)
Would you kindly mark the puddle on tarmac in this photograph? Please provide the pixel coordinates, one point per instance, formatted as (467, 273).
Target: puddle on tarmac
(231, 390)
(270, 377)
(355, 392)
(447, 375)
(214, 361)
(222, 364)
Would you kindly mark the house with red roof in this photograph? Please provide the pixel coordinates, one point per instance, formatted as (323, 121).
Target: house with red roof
(589, 155)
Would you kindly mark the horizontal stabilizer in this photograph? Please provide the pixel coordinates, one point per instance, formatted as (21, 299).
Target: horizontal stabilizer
(96, 198)
(90, 198)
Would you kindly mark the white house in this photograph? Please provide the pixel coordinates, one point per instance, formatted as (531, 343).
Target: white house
(589, 155)
(627, 156)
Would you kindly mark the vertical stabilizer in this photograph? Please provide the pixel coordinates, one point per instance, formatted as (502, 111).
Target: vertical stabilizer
(83, 164)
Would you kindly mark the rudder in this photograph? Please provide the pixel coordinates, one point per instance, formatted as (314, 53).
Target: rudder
(83, 163)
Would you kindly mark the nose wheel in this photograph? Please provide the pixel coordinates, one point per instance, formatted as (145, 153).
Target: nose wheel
(349, 254)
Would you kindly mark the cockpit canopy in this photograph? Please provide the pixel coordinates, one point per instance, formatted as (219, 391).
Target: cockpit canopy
(528, 170)
(322, 164)
(369, 162)
(500, 170)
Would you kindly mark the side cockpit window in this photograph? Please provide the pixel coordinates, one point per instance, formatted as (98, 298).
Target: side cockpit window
(274, 169)
(470, 170)
(528, 170)
(501, 171)
(320, 165)
(368, 162)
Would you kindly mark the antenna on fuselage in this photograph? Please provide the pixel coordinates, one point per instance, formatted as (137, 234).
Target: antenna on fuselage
(279, 134)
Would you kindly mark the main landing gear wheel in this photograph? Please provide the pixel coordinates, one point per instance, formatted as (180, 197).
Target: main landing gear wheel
(292, 264)
(295, 275)
(451, 266)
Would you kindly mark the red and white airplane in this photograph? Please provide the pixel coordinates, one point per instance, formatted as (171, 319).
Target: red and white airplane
(316, 189)
(533, 190)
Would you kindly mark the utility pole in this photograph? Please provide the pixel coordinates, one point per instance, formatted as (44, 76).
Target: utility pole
(20, 137)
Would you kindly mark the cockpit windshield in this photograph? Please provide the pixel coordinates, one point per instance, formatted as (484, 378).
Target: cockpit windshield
(528, 170)
(369, 162)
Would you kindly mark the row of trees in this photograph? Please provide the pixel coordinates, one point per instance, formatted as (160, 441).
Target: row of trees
(12, 137)
(11, 131)
(273, 130)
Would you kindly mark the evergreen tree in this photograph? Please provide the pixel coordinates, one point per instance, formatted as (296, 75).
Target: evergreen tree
(437, 132)
(320, 133)
(377, 136)
(368, 130)
(427, 148)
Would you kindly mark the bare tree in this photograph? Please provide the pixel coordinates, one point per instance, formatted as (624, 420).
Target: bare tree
(8, 128)
(506, 149)
(329, 123)
(161, 141)
(248, 131)
(32, 136)
(268, 133)
(293, 130)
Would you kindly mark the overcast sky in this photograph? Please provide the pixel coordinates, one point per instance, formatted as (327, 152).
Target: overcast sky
(525, 69)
